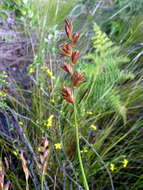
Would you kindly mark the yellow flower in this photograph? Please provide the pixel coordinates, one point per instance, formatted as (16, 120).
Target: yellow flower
(112, 167)
(49, 123)
(39, 149)
(89, 112)
(58, 146)
(20, 123)
(52, 100)
(50, 74)
(31, 70)
(125, 163)
(93, 127)
(84, 150)
(15, 153)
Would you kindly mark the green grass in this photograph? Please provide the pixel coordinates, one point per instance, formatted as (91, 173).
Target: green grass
(106, 123)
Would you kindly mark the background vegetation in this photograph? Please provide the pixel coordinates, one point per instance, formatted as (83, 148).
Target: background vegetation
(38, 137)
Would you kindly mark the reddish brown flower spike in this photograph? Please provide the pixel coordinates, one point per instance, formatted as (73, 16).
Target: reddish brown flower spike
(68, 29)
(66, 49)
(75, 56)
(67, 67)
(75, 38)
(78, 78)
(67, 94)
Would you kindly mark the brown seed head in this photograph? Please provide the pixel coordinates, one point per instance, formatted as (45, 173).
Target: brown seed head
(67, 67)
(68, 29)
(78, 78)
(75, 56)
(75, 38)
(67, 94)
(66, 49)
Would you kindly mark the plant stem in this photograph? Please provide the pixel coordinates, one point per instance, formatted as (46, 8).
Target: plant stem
(78, 151)
(27, 185)
(42, 182)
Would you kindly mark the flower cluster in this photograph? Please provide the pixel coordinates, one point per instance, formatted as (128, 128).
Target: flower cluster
(84, 150)
(112, 167)
(49, 122)
(68, 51)
(49, 73)
(124, 164)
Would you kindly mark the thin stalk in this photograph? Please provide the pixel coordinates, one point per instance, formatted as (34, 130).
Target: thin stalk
(27, 185)
(78, 150)
(42, 182)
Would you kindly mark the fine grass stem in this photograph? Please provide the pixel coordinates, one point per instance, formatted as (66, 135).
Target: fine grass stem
(78, 150)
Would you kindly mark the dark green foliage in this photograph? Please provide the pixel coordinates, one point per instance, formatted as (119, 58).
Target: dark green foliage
(17, 7)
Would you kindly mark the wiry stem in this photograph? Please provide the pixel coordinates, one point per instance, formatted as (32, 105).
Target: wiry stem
(42, 182)
(78, 151)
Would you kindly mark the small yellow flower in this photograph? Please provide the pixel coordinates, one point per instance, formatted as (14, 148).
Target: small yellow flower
(49, 123)
(84, 151)
(112, 167)
(31, 70)
(89, 112)
(15, 153)
(58, 146)
(20, 123)
(125, 163)
(93, 127)
(39, 149)
(52, 100)
(50, 74)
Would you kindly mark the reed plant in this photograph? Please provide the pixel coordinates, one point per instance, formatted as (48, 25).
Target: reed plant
(77, 129)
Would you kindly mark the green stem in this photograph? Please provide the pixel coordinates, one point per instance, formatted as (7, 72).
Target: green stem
(78, 151)
(27, 185)
(42, 182)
